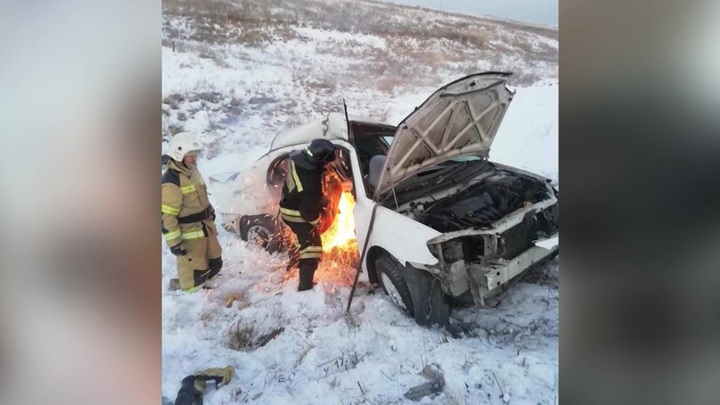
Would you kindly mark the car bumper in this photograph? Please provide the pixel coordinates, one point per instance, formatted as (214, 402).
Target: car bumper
(486, 280)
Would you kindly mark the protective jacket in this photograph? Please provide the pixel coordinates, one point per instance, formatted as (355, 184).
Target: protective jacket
(185, 205)
(302, 199)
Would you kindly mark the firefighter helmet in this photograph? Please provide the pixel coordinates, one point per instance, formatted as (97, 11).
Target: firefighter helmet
(320, 151)
(183, 143)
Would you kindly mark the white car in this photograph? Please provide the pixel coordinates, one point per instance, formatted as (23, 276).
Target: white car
(438, 222)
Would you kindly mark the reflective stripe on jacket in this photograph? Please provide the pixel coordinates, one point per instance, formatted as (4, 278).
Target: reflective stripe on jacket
(302, 193)
(183, 193)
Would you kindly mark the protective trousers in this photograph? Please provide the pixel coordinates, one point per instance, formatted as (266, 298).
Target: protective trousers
(203, 260)
(307, 253)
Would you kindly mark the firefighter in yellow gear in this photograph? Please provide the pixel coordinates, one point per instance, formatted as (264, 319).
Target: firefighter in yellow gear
(188, 218)
(302, 206)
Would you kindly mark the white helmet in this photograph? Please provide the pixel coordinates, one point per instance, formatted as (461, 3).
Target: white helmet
(181, 144)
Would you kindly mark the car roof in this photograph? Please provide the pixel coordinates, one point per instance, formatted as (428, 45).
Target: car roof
(331, 126)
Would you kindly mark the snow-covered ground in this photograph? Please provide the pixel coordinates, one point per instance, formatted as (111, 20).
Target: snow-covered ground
(237, 96)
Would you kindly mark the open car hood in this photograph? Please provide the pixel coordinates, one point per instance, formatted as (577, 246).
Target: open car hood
(461, 118)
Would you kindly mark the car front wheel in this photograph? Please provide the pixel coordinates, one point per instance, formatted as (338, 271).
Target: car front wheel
(393, 282)
(415, 290)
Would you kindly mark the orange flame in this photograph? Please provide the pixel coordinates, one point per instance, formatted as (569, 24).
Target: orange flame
(342, 230)
(340, 245)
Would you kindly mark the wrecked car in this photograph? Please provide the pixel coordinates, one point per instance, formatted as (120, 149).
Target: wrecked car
(440, 222)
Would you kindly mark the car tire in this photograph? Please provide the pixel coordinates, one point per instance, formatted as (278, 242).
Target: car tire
(262, 230)
(392, 280)
(429, 301)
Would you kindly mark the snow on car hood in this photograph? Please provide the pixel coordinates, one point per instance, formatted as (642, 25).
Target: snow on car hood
(460, 118)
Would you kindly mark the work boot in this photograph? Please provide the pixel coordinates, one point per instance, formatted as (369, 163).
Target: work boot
(174, 285)
(306, 278)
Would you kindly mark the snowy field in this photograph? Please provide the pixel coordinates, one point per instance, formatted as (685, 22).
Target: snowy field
(237, 92)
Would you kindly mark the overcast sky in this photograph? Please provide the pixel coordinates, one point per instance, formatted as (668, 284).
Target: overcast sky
(543, 12)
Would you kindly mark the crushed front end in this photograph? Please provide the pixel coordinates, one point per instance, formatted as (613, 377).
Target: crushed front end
(476, 264)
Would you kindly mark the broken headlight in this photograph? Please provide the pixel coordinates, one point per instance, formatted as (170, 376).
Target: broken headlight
(452, 251)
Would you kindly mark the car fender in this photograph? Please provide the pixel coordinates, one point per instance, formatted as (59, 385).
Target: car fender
(402, 237)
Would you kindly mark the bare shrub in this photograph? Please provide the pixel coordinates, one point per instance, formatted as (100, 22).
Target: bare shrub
(216, 57)
(212, 97)
(174, 100)
(547, 52)
(241, 336)
(521, 43)
(325, 83)
(245, 338)
(223, 21)
(262, 99)
(294, 120)
(174, 129)
(262, 340)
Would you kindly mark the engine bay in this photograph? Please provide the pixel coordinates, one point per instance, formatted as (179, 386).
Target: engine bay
(481, 204)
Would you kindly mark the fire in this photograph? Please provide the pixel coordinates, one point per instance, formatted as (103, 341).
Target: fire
(341, 233)
(340, 245)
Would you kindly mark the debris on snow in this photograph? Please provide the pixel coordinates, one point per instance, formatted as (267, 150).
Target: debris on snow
(434, 386)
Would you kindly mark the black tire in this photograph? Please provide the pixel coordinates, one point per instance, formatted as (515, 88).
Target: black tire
(431, 303)
(388, 269)
(419, 291)
(261, 230)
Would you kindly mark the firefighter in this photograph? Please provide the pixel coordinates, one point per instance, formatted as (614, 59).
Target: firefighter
(188, 218)
(302, 206)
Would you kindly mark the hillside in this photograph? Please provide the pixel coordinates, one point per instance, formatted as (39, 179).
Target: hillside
(267, 65)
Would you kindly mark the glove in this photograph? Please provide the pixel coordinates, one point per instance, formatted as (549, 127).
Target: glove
(212, 212)
(178, 250)
(221, 376)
